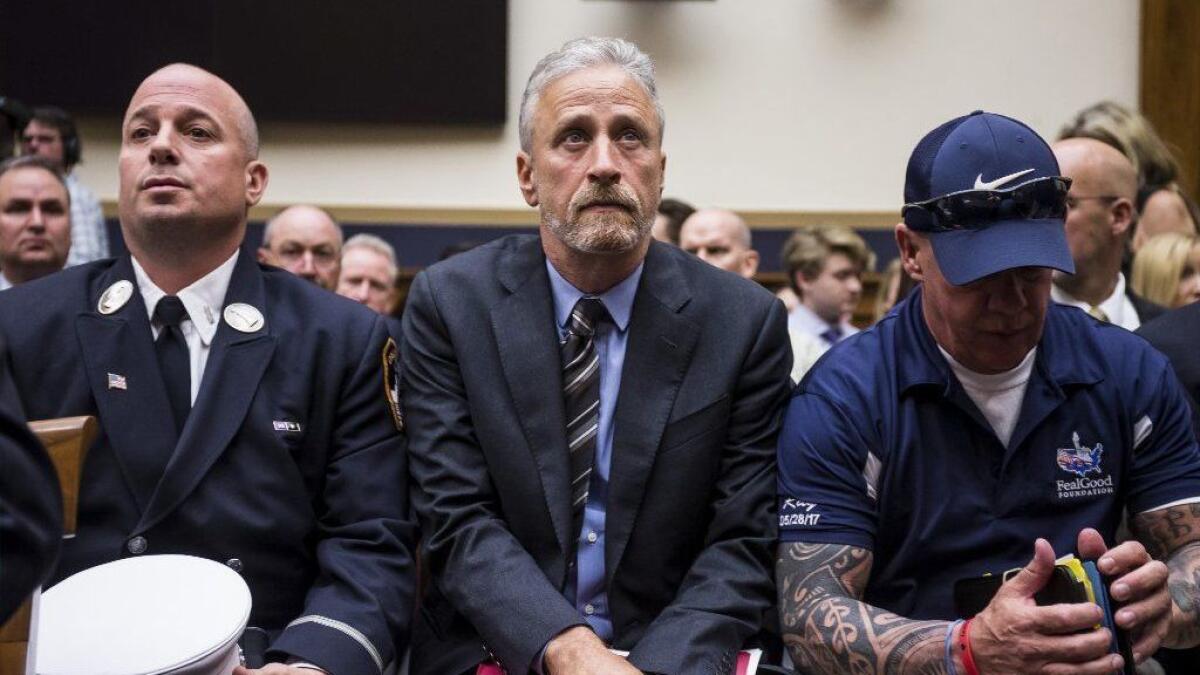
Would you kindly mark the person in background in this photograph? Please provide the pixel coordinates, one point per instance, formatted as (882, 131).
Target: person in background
(1166, 270)
(368, 272)
(824, 265)
(35, 220)
(671, 214)
(51, 133)
(894, 287)
(1161, 204)
(720, 238)
(14, 115)
(306, 241)
(1100, 216)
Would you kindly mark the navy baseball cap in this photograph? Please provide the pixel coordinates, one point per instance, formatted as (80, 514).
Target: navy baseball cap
(987, 191)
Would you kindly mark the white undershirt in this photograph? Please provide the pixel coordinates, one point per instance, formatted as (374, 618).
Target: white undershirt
(997, 396)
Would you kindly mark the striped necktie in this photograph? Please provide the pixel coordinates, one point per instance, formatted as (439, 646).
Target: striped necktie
(581, 394)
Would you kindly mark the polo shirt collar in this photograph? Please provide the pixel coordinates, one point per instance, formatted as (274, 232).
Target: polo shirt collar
(1059, 358)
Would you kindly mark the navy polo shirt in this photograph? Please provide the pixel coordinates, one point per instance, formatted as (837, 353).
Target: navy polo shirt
(882, 449)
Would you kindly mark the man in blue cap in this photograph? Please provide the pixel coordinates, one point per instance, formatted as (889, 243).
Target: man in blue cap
(976, 422)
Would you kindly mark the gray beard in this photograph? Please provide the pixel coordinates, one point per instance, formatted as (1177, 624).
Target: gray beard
(601, 236)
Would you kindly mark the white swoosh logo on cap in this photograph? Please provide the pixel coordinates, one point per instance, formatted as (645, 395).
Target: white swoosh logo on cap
(993, 184)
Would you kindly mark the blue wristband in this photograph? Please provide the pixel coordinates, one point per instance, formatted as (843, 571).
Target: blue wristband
(950, 669)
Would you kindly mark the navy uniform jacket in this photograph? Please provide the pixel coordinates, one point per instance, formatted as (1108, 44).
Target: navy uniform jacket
(883, 449)
(690, 531)
(30, 505)
(290, 468)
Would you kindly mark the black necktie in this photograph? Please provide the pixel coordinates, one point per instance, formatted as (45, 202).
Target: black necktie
(173, 360)
(581, 394)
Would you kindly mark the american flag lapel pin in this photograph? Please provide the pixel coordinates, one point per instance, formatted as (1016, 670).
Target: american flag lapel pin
(116, 381)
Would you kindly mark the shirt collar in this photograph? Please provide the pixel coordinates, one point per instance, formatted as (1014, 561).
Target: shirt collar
(921, 363)
(618, 300)
(202, 299)
(804, 319)
(1114, 306)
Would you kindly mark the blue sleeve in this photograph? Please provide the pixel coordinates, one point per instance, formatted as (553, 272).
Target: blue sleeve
(823, 464)
(1166, 460)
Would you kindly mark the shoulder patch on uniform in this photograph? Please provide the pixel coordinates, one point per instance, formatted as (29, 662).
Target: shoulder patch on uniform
(391, 381)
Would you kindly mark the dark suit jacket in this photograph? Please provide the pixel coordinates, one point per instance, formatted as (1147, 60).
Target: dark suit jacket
(690, 526)
(312, 515)
(1147, 311)
(1177, 334)
(30, 505)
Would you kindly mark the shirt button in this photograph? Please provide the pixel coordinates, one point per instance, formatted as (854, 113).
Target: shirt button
(592, 537)
(589, 610)
(137, 545)
(234, 564)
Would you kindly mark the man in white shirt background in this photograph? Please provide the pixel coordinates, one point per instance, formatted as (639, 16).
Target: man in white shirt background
(1100, 216)
(51, 133)
(824, 265)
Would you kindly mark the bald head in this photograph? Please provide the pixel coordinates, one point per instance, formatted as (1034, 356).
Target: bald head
(306, 241)
(186, 79)
(1100, 215)
(720, 237)
(188, 173)
(1098, 165)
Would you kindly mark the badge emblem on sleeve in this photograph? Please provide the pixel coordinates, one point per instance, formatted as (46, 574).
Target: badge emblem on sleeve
(391, 382)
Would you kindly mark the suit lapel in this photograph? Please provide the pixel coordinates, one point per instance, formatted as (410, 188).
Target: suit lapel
(656, 358)
(236, 364)
(523, 325)
(122, 371)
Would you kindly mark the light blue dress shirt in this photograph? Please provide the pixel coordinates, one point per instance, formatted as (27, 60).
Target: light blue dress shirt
(587, 587)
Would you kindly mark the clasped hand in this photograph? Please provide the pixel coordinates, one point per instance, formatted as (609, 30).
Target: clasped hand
(1014, 635)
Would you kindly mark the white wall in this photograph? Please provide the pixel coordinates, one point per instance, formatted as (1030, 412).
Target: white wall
(779, 105)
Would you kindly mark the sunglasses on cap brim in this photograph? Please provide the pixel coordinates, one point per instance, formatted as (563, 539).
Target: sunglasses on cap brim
(973, 209)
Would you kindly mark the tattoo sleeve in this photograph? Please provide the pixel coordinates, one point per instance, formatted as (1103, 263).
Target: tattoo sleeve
(1173, 536)
(828, 629)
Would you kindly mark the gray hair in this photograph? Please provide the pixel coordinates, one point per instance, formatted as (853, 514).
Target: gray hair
(379, 245)
(581, 54)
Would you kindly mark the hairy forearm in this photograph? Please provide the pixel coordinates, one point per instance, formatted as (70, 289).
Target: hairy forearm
(826, 627)
(1173, 536)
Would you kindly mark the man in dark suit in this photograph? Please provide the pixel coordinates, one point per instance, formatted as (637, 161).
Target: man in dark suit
(30, 505)
(243, 410)
(591, 414)
(1100, 217)
(1177, 334)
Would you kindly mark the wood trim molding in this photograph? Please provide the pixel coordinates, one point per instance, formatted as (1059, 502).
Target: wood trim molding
(507, 217)
(1170, 81)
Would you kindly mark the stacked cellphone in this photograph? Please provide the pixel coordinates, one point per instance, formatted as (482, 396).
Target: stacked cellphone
(1073, 581)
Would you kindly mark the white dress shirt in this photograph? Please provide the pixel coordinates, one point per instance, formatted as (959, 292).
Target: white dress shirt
(1117, 307)
(203, 301)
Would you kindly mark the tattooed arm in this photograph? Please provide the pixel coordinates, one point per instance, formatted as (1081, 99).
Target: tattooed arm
(828, 629)
(1172, 535)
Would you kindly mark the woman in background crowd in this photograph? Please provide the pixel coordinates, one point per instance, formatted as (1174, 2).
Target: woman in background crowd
(1166, 270)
